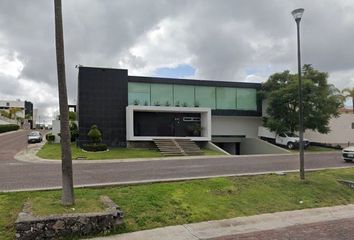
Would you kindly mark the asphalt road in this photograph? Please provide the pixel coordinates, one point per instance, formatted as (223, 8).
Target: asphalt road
(16, 175)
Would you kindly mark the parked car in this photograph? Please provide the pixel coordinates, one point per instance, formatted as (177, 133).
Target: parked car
(34, 137)
(348, 154)
(289, 140)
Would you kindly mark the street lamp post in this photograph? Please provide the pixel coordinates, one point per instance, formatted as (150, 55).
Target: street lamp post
(297, 14)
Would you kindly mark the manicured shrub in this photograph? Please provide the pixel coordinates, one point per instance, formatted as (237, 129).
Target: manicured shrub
(95, 134)
(50, 137)
(8, 128)
(94, 147)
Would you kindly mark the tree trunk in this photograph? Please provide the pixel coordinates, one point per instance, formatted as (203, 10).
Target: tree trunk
(67, 172)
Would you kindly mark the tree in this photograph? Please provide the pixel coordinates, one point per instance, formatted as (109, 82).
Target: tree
(349, 93)
(67, 172)
(72, 116)
(95, 134)
(13, 112)
(320, 99)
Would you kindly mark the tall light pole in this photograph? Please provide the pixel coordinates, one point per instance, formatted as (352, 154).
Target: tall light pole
(297, 14)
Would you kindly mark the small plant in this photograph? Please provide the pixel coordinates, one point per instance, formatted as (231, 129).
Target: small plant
(196, 104)
(136, 102)
(74, 131)
(177, 104)
(146, 103)
(50, 138)
(95, 134)
(157, 103)
(167, 104)
(184, 104)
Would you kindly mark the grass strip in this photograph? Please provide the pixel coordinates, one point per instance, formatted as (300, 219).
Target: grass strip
(162, 204)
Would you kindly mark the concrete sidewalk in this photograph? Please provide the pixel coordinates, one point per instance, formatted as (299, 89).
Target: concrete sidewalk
(240, 225)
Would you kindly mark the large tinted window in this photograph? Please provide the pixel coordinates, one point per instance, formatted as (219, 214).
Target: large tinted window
(205, 97)
(161, 94)
(183, 95)
(246, 99)
(225, 98)
(139, 93)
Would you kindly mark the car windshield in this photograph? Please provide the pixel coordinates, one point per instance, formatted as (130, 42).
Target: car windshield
(34, 134)
(291, 135)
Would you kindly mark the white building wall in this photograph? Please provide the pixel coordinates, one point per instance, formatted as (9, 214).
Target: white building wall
(341, 131)
(235, 125)
(56, 130)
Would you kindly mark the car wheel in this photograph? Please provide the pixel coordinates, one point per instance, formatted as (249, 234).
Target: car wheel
(348, 160)
(290, 145)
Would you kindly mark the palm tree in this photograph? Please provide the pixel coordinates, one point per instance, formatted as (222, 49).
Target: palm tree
(349, 93)
(13, 112)
(67, 170)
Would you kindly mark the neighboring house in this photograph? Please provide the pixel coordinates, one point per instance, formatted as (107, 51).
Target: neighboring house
(130, 110)
(26, 108)
(342, 130)
(7, 105)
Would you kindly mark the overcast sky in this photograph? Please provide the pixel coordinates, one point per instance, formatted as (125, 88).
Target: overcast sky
(231, 40)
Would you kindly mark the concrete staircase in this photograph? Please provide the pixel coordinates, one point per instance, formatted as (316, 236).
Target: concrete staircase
(189, 147)
(177, 147)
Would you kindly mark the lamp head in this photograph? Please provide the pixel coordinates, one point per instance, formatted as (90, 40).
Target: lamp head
(297, 14)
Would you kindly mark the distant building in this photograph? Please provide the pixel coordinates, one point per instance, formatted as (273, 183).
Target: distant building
(25, 110)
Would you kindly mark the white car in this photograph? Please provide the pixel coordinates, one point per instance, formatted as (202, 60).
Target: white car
(34, 137)
(348, 154)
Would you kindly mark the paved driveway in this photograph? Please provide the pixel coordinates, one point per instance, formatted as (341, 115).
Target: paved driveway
(16, 175)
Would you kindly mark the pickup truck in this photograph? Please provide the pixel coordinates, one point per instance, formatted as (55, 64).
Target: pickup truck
(289, 140)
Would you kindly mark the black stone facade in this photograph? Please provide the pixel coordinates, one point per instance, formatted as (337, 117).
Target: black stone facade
(102, 99)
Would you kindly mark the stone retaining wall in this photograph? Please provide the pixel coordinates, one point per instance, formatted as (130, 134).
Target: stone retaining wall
(30, 227)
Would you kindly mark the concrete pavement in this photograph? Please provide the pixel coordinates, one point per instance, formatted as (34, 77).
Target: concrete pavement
(311, 222)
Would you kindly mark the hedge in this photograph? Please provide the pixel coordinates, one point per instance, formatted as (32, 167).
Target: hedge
(94, 147)
(8, 128)
(50, 137)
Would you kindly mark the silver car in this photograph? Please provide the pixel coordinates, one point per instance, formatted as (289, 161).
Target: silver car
(34, 137)
(348, 154)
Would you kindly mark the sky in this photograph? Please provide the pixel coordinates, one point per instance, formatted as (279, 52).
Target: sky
(229, 40)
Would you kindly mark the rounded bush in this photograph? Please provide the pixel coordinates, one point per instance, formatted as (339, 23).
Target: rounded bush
(92, 147)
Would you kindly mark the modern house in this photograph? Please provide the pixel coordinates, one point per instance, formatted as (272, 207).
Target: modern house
(25, 110)
(134, 110)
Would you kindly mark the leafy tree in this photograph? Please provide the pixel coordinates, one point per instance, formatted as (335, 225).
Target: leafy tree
(13, 112)
(67, 170)
(320, 101)
(74, 131)
(349, 93)
(72, 116)
(95, 134)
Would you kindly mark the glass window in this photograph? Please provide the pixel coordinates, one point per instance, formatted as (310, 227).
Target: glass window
(205, 96)
(246, 99)
(183, 95)
(161, 94)
(138, 93)
(225, 98)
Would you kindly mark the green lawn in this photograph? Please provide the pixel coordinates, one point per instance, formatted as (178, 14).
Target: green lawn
(52, 151)
(317, 149)
(163, 204)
